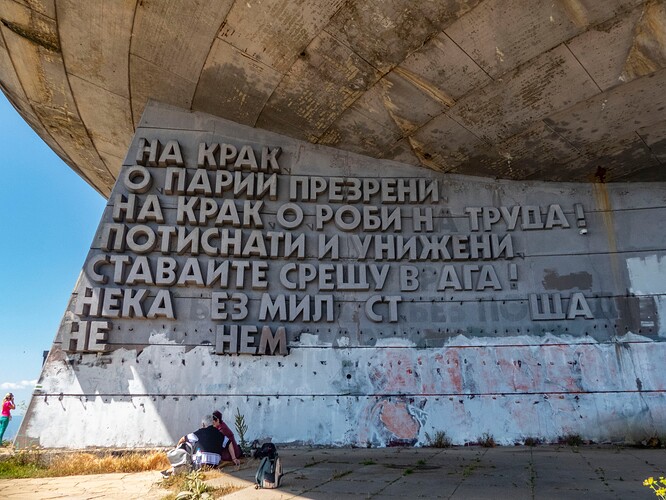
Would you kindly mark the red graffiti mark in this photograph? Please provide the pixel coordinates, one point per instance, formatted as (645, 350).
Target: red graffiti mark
(397, 420)
(452, 358)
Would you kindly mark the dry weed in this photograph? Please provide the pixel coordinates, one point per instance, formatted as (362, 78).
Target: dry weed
(87, 463)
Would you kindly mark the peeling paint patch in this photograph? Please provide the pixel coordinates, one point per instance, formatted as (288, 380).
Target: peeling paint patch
(310, 339)
(499, 54)
(160, 338)
(646, 274)
(552, 280)
(645, 280)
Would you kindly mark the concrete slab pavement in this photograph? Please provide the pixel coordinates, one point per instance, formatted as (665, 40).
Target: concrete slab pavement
(541, 472)
(117, 486)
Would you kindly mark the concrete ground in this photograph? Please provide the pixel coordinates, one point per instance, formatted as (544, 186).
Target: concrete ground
(542, 472)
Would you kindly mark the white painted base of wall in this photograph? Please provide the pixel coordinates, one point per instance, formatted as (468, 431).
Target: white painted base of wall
(512, 388)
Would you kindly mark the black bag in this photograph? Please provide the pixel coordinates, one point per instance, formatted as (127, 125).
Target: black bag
(267, 450)
(269, 471)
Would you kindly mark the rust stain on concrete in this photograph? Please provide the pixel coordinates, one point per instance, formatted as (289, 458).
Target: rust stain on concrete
(648, 50)
(576, 11)
(39, 35)
(603, 204)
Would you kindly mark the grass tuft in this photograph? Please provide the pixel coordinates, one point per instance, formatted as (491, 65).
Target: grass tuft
(439, 440)
(571, 439)
(23, 464)
(532, 441)
(487, 440)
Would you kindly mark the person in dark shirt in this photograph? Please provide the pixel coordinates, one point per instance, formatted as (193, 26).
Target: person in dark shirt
(212, 440)
(207, 439)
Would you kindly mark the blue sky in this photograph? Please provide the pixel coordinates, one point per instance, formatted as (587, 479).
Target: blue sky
(48, 216)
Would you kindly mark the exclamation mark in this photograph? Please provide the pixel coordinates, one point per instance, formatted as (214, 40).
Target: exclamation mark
(513, 276)
(580, 215)
(580, 218)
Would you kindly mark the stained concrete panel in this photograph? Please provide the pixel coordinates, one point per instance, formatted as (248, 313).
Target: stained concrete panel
(50, 87)
(403, 152)
(519, 158)
(113, 163)
(444, 69)
(370, 126)
(396, 28)
(178, 47)
(605, 126)
(49, 93)
(601, 118)
(508, 106)
(648, 51)
(354, 131)
(384, 33)
(449, 140)
(11, 83)
(111, 112)
(374, 105)
(166, 58)
(623, 156)
(15, 93)
(92, 33)
(607, 67)
(326, 80)
(526, 29)
(409, 106)
(77, 144)
(651, 136)
(280, 30)
(44, 7)
(235, 85)
(149, 81)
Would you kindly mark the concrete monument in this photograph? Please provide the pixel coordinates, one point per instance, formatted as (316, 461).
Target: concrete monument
(337, 299)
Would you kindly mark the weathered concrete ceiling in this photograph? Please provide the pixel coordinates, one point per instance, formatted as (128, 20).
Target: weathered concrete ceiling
(521, 89)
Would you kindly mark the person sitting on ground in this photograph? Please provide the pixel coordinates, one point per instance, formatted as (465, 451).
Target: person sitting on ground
(232, 452)
(207, 439)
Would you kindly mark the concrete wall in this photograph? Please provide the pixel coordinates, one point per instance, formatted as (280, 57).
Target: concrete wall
(526, 309)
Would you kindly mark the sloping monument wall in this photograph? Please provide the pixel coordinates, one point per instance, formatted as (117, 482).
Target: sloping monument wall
(335, 299)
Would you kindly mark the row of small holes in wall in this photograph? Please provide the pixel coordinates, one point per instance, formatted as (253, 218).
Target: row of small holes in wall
(399, 397)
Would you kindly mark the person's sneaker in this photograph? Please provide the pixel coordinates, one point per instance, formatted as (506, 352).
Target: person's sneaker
(165, 473)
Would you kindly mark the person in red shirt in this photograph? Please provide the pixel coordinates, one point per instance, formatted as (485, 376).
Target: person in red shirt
(233, 452)
(7, 407)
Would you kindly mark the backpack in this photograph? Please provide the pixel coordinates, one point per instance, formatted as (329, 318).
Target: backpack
(181, 458)
(269, 472)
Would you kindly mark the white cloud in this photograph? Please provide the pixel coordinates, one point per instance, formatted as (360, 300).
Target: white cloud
(16, 386)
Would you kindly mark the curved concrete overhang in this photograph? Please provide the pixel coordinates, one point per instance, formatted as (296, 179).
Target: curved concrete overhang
(568, 90)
